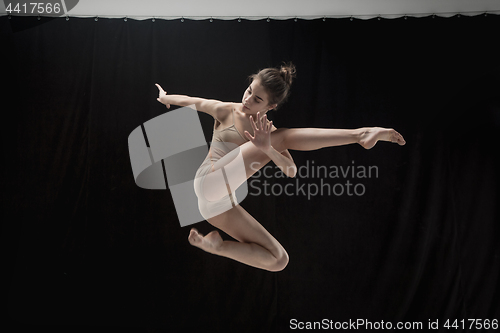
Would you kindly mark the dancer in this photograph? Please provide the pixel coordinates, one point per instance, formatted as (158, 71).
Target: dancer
(260, 143)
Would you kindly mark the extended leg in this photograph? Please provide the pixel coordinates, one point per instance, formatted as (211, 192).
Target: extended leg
(316, 138)
(237, 170)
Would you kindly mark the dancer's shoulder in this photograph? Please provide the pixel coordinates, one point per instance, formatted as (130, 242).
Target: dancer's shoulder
(222, 112)
(217, 109)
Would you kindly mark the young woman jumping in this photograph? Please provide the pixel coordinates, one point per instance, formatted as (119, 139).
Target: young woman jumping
(245, 126)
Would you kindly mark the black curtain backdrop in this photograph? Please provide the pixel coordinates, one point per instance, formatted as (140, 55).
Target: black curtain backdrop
(86, 249)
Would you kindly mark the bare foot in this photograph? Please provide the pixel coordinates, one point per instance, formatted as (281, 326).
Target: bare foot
(210, 243)
(371, 135)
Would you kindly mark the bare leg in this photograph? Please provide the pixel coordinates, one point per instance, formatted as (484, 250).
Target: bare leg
(256, 246)
(289, 138)
(316, 138)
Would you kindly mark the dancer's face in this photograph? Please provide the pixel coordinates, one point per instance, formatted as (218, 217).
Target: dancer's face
(255, 99)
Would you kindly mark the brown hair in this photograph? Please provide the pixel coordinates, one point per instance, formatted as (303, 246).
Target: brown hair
(276, 82)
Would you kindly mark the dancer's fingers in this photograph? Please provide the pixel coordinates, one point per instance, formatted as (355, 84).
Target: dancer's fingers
(248, 135)
(257, 123)
(160, 90)
(253, 124)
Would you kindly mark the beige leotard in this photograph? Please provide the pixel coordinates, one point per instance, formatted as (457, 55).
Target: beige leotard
(223, 141)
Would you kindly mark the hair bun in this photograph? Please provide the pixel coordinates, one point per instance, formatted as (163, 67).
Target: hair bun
(288, 71)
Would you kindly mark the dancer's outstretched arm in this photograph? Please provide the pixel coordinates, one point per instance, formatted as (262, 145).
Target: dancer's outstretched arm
(215, 108)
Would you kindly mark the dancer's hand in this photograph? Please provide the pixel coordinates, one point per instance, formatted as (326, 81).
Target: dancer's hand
(162, 94)
(261, 131)
(370, 135)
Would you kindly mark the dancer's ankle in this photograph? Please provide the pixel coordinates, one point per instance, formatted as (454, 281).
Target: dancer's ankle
(359, 133)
